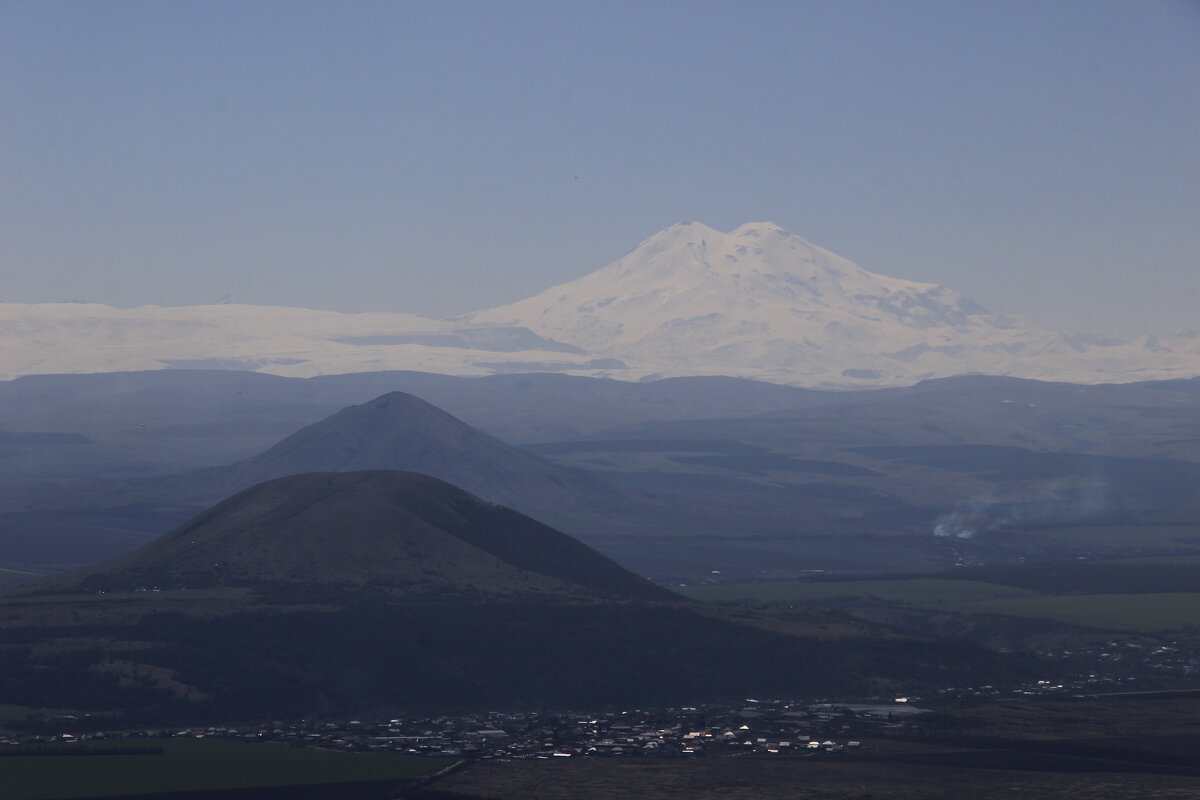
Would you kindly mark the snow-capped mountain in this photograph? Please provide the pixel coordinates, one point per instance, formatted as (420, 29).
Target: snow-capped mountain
(757, 302)
(764, 303)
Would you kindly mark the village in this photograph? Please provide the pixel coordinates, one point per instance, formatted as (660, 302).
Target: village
(807, 728)
(814, 727)
(774, 727)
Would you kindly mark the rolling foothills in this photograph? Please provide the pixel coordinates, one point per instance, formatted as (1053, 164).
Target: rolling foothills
(673, 478)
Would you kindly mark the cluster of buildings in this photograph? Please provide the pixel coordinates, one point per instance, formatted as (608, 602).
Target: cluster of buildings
(770, 727)
(1124, 660)
(800, 728)
(1102, 667)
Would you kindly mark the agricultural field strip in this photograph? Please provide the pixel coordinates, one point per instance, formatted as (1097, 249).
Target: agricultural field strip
(931, 591)
(187, 765)
(1141, 612)
(1130, 612)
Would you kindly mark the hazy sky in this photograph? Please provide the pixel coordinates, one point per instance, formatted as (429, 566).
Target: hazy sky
(438, 157)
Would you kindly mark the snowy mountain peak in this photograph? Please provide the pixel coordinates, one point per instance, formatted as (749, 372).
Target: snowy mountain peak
(679, 234)
(762, 302)
(759, 280)
(756, 229)
(753, 249)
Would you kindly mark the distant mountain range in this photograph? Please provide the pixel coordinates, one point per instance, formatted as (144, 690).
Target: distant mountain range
(757, 302)
(673, 478)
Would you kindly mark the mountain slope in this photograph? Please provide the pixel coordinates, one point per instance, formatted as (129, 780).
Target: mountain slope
(403, 531)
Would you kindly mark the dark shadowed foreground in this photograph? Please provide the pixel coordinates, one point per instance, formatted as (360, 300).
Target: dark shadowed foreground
(346, 592)
(751, 778)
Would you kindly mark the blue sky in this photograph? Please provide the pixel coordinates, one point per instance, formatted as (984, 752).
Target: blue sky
(438, 157)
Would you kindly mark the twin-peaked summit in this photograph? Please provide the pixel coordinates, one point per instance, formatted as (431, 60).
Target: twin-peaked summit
(762, 302)
(691, 285)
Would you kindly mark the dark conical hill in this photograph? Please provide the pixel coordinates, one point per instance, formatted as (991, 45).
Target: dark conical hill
(396, 431)
(410, 533)
(400, 431)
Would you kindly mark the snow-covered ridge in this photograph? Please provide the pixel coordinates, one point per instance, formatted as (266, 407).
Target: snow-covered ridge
(757, 302)
(78, 337)
(689, 275)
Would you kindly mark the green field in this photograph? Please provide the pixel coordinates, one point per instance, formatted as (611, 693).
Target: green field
(1147, 612)
(1121, 535)
(918, 592)
(1127, 612)
(195, 765)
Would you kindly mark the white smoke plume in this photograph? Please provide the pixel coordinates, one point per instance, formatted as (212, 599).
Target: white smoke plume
(1049, 505)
